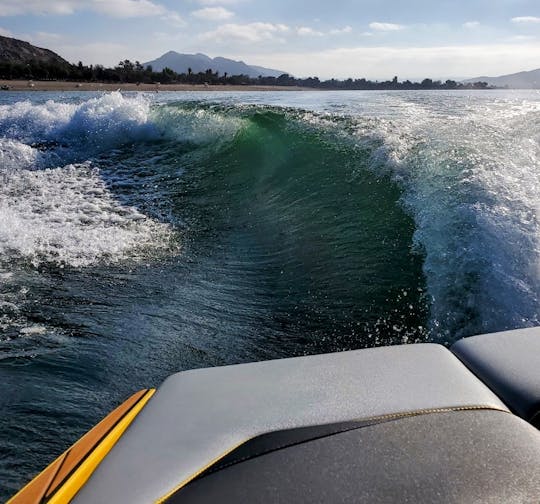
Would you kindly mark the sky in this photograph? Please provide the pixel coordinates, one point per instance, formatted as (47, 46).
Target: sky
(376, 39)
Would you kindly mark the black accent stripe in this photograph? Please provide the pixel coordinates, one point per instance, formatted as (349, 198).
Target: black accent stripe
(46, 491)
(273, 441)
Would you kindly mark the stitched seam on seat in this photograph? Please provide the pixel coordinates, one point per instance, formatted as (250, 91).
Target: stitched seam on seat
(406, 414)
(368, 422)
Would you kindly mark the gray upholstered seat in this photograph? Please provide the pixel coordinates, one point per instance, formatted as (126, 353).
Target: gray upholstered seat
(486, 457)
(198, 416)
(509, 363)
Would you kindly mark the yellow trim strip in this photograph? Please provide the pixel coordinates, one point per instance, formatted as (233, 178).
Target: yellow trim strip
(404, 414)
(190, 478)
(81, 475)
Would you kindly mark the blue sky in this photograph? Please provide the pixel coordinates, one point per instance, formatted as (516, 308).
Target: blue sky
(342, 38)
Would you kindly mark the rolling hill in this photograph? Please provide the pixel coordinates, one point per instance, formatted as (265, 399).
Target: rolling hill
(17, 52)
(520, 80)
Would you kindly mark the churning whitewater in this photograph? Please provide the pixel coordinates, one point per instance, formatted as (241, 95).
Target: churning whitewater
(145, 234)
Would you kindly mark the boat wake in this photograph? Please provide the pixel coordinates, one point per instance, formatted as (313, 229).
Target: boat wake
(103, 181)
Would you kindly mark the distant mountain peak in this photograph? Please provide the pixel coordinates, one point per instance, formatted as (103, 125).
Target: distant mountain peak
(200, 62)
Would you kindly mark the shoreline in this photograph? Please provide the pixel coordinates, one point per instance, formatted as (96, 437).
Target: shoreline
(25, 85)
(68, 86)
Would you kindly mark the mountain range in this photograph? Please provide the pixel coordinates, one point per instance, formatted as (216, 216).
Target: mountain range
(15, 51)
(201, 62)
(520, 80)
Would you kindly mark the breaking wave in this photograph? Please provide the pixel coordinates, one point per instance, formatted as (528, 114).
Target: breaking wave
(468, 176)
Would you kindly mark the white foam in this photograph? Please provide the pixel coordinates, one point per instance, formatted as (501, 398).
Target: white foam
(98, 123)
(15, 155)
(54, 205)
(33, 330)
(55, 210)
(112, 120)
(472, 183)
(67, 216)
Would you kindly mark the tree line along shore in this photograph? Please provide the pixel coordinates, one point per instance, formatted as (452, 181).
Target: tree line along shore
(127, 72)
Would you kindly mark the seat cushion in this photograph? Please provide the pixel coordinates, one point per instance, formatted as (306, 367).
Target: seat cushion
(454, 457)
(197, 417)
(509, 363)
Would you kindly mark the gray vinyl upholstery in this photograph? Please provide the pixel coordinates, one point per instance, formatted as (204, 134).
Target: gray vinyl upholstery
(509, 363)
(197, 416)
(454, 457)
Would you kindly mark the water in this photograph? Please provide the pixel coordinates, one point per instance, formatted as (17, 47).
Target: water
(143, 235)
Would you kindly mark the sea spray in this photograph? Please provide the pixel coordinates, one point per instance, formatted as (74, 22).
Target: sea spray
(67, 216)
(471, 180)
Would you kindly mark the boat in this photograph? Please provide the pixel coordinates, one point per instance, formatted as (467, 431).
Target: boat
(407, 423)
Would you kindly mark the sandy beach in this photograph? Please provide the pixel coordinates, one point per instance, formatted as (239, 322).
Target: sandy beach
(24, 85)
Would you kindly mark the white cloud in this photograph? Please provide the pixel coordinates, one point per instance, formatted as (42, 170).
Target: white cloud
(5, 33)
(219, 2)
(406, 62)
(259, 31)
(526, 20)
(341, 31)
(213, 14)
(113, 8)
(386, 26)
(521, 38)
(173, 18)
(470, 25)
(16, 7)
(305, 31)
(127, 8)
(251, 32)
